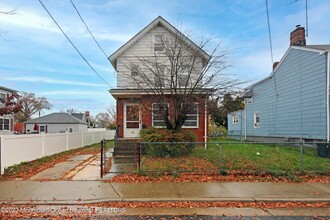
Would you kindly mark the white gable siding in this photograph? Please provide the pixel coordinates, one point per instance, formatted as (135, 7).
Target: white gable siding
(143, 48)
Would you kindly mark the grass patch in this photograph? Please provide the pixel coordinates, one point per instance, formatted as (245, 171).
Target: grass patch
(25, 170)
(263, 158)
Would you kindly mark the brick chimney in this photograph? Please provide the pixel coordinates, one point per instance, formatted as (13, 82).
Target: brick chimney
(297, 37)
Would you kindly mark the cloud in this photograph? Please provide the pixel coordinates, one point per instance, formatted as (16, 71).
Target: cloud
(52, 81)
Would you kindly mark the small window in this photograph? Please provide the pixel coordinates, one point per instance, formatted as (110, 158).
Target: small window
(249, 100)
(70, 130)
(192, 117)
(158, 42)
(134, 70)
(158, 111)
(2, 98)
(235, 119)
(1, 124)
(256, 120)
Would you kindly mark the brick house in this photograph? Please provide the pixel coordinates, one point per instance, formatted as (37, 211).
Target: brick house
(137, 102)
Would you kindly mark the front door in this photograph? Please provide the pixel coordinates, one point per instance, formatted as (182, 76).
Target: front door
(132, 118)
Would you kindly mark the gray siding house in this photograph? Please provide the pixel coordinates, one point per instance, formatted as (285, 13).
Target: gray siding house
(56, 123)
(293, 102)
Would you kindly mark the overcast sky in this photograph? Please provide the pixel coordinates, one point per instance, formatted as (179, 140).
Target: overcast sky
(36, 57)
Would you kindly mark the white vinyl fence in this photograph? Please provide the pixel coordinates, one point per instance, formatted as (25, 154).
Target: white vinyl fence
(15, 149)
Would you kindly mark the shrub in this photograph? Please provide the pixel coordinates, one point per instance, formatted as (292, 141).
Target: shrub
(217, 132)
(164, 149)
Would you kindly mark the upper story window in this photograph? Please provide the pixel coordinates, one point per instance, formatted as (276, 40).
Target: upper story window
(159, 78)
(134, 70)
(158, 42)
(183, 80)
(235, 120)
(256, 120)
(2, 98)
(158, 111)
(192, 117)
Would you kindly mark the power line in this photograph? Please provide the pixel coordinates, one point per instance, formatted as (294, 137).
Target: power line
(88, 29)
(269, 34)
(74, 45)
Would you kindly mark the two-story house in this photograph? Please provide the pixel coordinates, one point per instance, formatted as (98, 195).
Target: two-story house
(6, 121)
(293, 102)
(145, 72)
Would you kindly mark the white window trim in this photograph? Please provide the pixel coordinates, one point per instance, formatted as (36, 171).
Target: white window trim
(197, 126)
(152, 115)
(235, 122)
(255, 124)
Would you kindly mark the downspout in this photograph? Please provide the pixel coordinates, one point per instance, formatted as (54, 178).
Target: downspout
(205, 124)
(328, 108)
(245, 118)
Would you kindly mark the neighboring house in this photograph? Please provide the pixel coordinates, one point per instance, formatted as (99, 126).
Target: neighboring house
(56, 123)
(293, 102)
(136, 108)
(6, 121)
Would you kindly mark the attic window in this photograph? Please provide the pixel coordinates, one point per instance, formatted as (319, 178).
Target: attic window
(158, 42)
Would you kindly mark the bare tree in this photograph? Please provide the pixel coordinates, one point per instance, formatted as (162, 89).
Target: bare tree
(179, 72)
(102, 120)
(30, 105)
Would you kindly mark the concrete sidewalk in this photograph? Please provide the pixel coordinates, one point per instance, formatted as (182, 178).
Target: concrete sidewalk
(79, 192)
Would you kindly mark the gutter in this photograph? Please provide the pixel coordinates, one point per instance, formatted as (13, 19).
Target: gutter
(327, 93)
(205, 124)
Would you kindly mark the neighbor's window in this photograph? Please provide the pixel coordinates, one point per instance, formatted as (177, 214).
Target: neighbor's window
(192, 117)
(158, 42)
(42, 128)
(70, 130)
(235, 120)
(256, 120)
(4, 124)
(159, 77)
(249, 100)
(158, 114)
(2, 98)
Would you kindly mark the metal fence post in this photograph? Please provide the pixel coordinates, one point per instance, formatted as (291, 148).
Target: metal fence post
(302, 169)
(101, 165)
(220, 166)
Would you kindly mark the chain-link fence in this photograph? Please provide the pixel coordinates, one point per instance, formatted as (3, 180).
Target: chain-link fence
(222, 157)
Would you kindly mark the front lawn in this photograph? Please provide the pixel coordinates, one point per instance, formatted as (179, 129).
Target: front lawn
(242, 157)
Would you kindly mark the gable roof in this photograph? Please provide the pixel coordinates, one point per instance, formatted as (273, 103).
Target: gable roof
(56, 118)
(158, 21)
(312, 48)
(7, 89)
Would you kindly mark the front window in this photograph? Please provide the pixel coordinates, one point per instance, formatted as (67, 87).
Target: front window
(235, 120)
(192, 117)
(158, 111)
